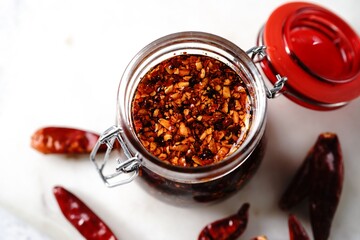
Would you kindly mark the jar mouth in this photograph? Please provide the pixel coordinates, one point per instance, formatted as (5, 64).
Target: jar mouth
(192, 43)
(322, 44)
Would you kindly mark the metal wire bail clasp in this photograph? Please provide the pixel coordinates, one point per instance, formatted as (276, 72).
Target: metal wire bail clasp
(258, 54)
(126, 170)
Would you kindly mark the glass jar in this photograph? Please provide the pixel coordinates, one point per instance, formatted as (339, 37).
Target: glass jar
(185, 186)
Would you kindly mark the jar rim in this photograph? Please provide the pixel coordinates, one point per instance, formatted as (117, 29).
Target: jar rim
(190, 43)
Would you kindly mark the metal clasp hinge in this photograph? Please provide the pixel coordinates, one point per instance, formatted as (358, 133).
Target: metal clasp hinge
(257, 54)
(126, 170)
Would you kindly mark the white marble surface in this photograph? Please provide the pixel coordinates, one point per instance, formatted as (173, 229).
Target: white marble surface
(60, 63)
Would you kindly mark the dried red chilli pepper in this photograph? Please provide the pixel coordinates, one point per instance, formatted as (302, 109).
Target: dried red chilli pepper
(62, 140)
(296, 230)
(81, 216)
(299, 187)
(320, 178)
(327, 175)
(227, 228)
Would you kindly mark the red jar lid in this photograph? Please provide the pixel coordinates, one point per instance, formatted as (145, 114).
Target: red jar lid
(317, 51)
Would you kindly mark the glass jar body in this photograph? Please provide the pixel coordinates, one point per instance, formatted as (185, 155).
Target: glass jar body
(211, 191)
(184, 185)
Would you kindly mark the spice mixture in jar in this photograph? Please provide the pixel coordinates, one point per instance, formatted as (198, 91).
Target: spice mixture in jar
(191, 110)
